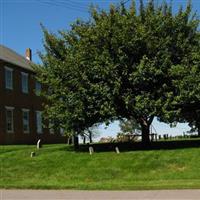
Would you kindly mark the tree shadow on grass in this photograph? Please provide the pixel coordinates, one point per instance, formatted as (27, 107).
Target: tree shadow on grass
(159, 145)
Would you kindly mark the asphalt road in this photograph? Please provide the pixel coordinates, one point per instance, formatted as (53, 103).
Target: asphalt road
(97, 195)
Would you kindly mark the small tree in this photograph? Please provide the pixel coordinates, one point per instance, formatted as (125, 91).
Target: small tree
(90, 134)
(129, 126)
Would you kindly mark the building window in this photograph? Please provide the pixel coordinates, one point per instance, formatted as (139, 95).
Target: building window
(9, 78)
(39, 121)
(38, 88)
(9, 120)
(24, 82)
(25, 117)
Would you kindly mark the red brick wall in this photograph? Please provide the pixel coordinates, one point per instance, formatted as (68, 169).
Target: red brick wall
(15, 98)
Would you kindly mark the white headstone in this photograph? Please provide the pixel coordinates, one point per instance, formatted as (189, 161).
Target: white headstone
(117, 150)
(32, 154)
(38, 144)
(91, 150)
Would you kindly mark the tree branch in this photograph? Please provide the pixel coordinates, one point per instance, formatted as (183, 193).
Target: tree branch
(149, 121)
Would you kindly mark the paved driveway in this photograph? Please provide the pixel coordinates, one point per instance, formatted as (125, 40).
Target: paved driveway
(97, 195)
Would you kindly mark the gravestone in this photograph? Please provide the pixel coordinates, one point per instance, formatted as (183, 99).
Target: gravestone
(117, 150)
(91, 150)
(32, 154)
(39, 144)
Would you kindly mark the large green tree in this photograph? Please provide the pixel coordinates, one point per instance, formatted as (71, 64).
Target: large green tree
(116, 65)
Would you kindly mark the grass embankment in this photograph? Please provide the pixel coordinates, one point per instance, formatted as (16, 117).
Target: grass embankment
(55, 166)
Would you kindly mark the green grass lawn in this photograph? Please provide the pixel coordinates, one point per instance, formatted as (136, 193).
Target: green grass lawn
(55, 166)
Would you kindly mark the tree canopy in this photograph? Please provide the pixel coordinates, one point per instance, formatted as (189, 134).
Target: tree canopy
(121, 63)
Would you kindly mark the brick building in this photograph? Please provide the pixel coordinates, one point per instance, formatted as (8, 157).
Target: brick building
(20, 103)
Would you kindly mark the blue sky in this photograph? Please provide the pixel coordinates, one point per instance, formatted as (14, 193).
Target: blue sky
(20, 29)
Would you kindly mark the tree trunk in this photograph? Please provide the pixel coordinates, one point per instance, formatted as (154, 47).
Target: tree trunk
(75, 142)
(90, 136)
(145, 123)
(198, 130)
(69, 140)
(145, 134)
(84, 139)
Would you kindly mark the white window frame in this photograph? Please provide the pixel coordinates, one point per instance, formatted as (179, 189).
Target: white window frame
(7, 86)
(25, 88)
(8, 108)
(28, 125)
(39, 122)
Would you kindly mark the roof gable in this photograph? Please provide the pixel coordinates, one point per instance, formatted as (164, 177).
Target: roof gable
(12, 57)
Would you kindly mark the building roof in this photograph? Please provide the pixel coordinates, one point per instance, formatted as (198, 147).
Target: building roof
(10, 56)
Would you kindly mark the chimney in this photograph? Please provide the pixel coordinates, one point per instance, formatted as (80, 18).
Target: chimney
(28, 54)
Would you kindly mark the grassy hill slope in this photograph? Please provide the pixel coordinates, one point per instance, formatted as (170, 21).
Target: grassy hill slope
(55, 166)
